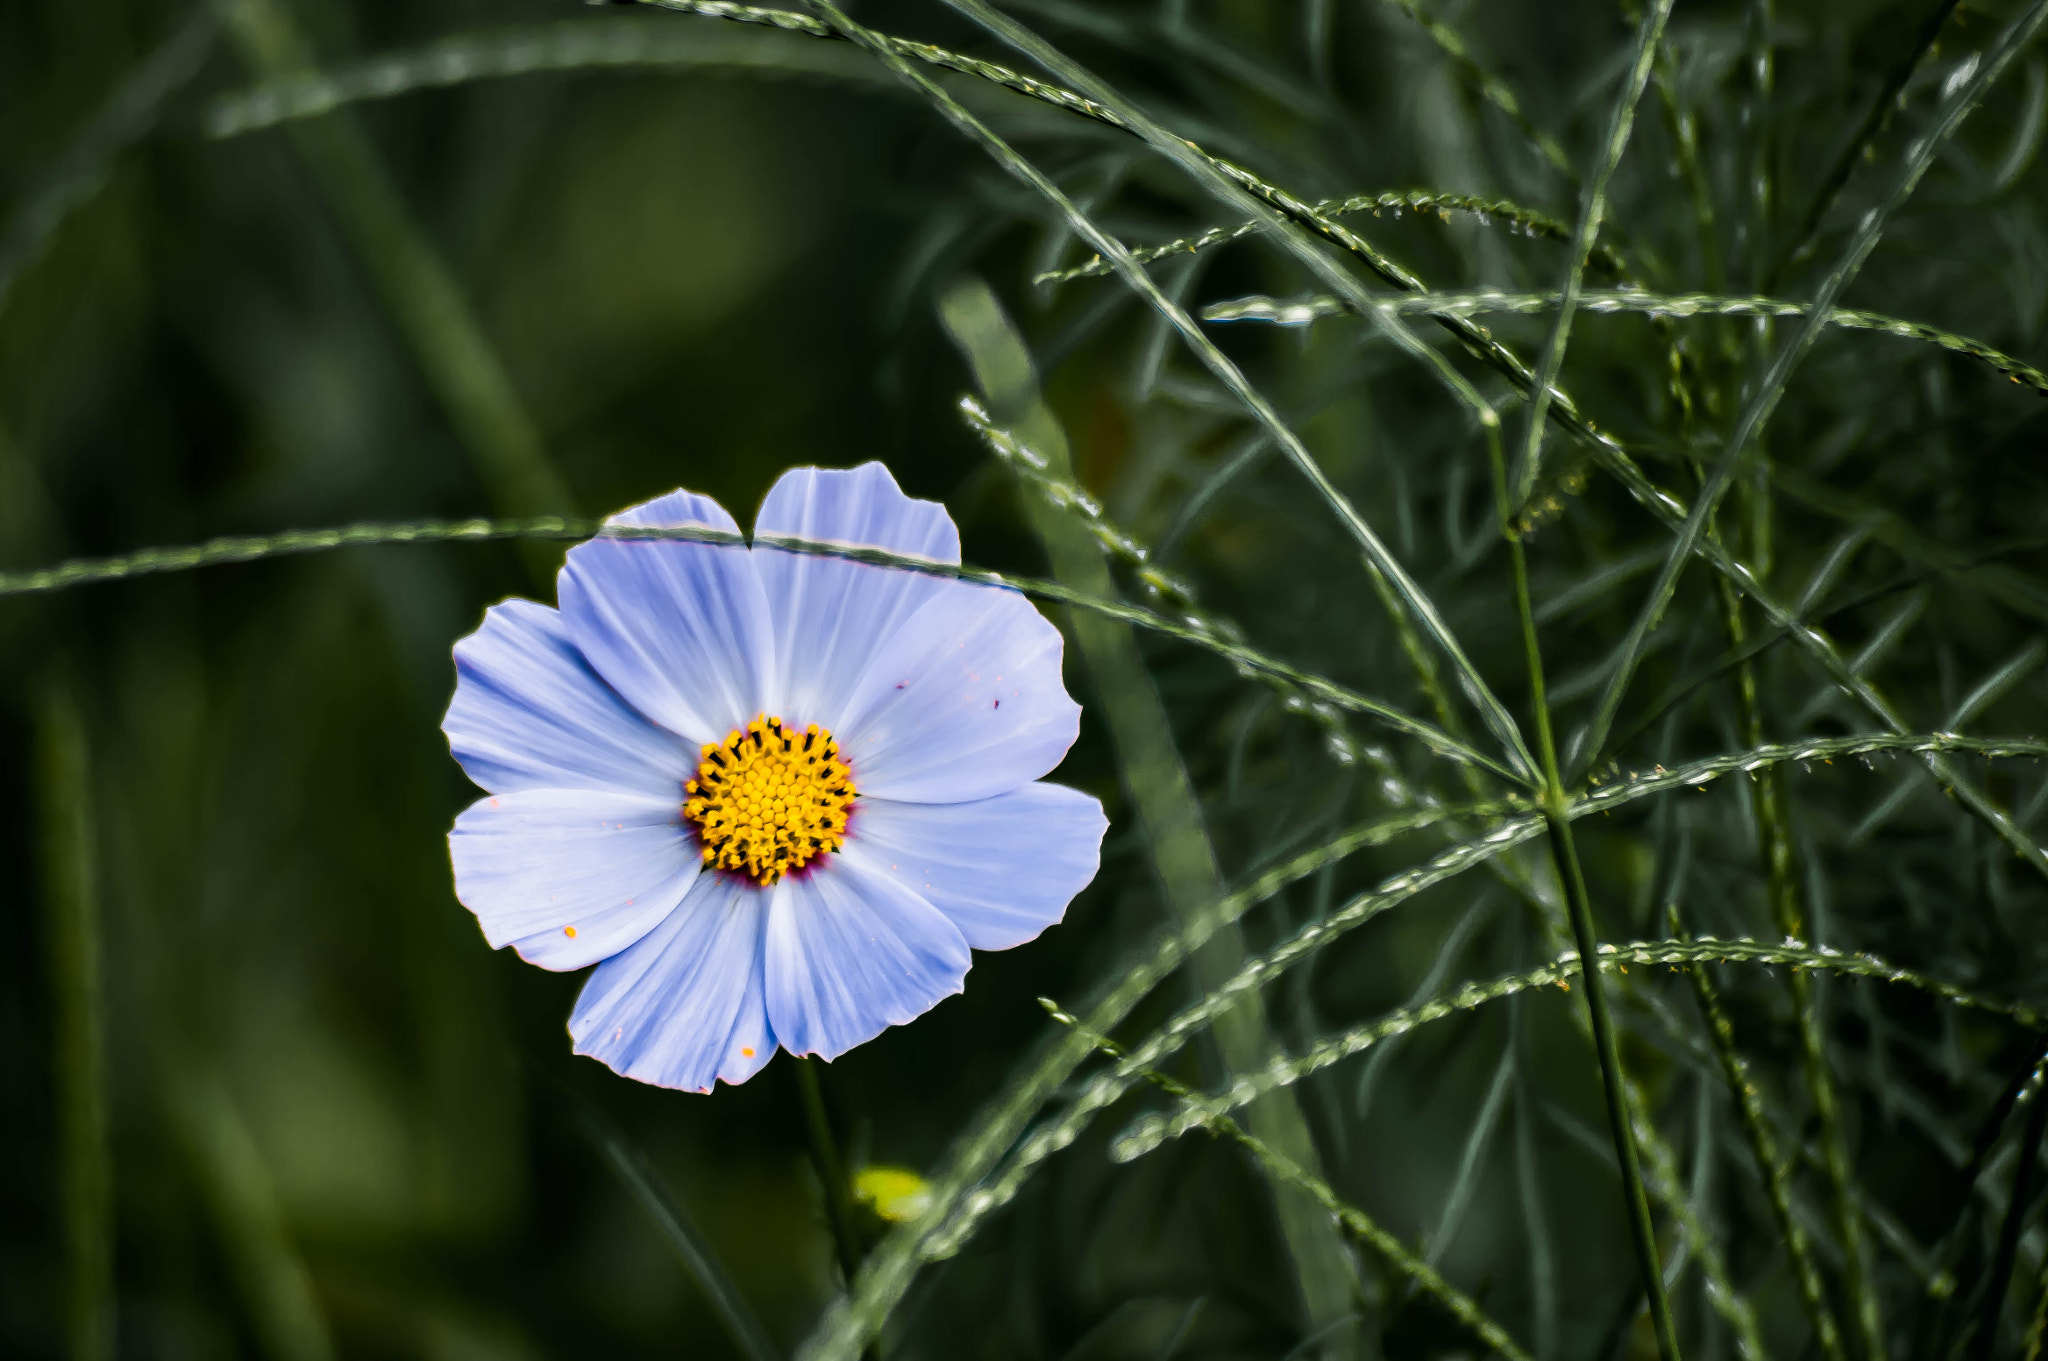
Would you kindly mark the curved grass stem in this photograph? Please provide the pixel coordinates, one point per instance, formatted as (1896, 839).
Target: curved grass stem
(832, 1178)
(1578, 906)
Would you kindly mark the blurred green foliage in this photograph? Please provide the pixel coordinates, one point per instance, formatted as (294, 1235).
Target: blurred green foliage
(287, 263)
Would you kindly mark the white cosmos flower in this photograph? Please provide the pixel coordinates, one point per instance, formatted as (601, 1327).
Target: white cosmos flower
(775, 797)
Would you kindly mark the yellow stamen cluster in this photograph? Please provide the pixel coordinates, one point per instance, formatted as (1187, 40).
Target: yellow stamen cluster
(768, 799)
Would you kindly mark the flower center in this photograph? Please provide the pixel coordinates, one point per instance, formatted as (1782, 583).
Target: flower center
(768, 799)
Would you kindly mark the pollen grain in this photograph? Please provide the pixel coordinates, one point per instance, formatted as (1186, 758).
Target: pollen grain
(769, 799)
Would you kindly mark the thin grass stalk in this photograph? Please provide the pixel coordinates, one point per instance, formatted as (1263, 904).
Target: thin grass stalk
(2010, 587)
(1781, 885)
(1118, 544)
(1763, 1149)
(1685, 151)
(1760, 57)
(1516, 218)
(1291, 221)
(669, 1218)
(1657, 306)
(2037, 1329)
(1183, 860)
(1998, 1281)
(1677, 954)
(1605, 793)
(1535, 1217)
(1642, 1229)
(85, 1175)
(1685, 141)
(572, 45)
(833, 1183)
(1208, 635)
(1859, 143)
(1150, 967)
(1592, 210)
(1426, 673)
(2025, 1085)
(1490, 88)
(1557, 824)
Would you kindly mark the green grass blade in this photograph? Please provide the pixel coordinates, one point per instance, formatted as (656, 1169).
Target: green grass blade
(1072, 501)
(1183, 860)
(267, 1264)
(1592, 211)
(1536, 1222)
(1479, 302)
(673, 1223)
(1488, 212)
(85, 1173)
(1447, 956)
(2010, 673)
(1859, 144)
(1998, 1280)
(963, 1194)
(572, 45)
(961, 1197)
(1471, 1160)
(1489, 87)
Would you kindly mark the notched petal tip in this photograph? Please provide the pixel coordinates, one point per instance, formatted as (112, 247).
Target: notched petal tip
(679, 629)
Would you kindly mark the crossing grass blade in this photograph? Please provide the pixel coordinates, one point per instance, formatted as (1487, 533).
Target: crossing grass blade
(1183, 858)
(1231, 190)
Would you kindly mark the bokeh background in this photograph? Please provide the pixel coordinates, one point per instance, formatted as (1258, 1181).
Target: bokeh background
(338, 1125)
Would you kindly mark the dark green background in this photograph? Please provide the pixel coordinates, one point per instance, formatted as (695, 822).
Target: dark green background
(697, 276)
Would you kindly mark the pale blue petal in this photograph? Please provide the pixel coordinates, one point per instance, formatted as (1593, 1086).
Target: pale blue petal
(830, 615)
(964, 702)
(850, 953)
(539, 864)
(684, 1007)
(679, 629)
(1001, 869)
(529, 713)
